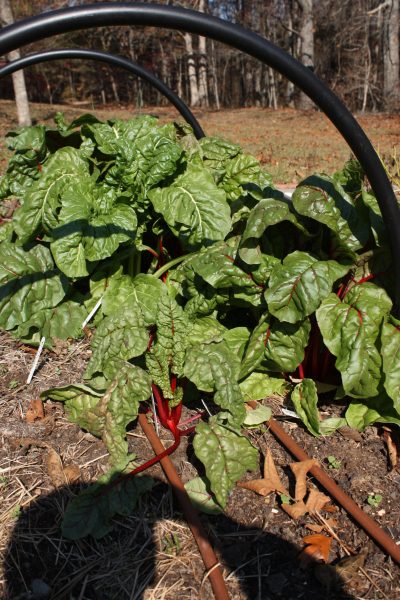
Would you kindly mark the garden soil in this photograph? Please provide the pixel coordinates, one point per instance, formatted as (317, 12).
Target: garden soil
(150, 555)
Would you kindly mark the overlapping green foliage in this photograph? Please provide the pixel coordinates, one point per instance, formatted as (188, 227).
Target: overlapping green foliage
(213, 285)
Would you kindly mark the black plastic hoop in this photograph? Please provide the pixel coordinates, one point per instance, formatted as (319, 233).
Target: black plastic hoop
(156, 15)
(116, 61)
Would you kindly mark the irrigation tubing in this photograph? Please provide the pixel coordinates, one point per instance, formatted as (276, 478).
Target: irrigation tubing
(192, 517)
(115, 61)
(371, 527)
(60, 21)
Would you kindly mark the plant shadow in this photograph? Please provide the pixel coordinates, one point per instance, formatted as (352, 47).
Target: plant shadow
(150, 555)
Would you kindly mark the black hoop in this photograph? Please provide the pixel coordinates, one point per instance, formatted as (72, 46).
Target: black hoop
(119, 13)
(116, 61)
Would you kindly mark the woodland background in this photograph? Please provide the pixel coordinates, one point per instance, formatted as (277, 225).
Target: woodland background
(353, 45)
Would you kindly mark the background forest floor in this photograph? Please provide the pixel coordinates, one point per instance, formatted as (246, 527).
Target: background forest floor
(289, 143)
(151, 554)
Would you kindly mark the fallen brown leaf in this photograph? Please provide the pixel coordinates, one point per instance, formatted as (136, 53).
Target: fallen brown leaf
(347, 567)
(317, 549)
(35, 411)
(316, 528)
(350, 434)
(296, 510)
(300, 470)
(72, 473)
(59, 474)
(392, 447)
(316, 501)
(269, 483)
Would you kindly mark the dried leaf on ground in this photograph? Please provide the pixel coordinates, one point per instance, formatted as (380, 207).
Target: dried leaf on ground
(35, 410)
(350, 434)
(58, 474)
(316, 501)
(296, 510)
(347, 567)
(317, 528)
(393, 447)
(317, 549)
(300, 470)
(269, 483)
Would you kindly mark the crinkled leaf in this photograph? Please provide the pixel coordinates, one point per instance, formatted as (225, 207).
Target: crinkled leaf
(323, 199)
(255, 348)
(349, 329)
(226, 455)
(83, 405)
(29, 283)
(237, 339)
(206, 330)
(305, 399)
(267, 212)
(42, 202)
(391, 360)
(144, 290)
(297, 287)
(214, 367)
(91, 512)
(61, 322)
(92, 224)
(120, 336)
(201, 497)
(167, 354)
(285, 345)
(195, 209)
(240, 171)
(258, 386)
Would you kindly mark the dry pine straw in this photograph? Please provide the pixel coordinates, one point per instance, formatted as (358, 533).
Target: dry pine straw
(151, 555)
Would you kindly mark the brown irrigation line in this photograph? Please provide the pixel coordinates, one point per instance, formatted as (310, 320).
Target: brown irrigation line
(369, 525)
(209, 558)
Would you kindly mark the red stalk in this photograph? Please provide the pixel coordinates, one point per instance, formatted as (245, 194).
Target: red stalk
(301, 371)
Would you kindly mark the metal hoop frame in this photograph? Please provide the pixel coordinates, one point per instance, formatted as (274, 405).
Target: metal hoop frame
(115, 61)
(118, 13)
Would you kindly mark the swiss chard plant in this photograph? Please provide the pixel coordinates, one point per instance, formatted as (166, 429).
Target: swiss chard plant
(212, 288)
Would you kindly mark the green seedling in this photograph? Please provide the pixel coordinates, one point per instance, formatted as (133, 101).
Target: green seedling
(374, 500)
(285, 499)
(14, 383)
(333, 462)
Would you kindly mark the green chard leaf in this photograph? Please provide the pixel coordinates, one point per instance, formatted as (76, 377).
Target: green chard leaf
(106, 414)
(91, 512)
(200, 496)
(350, 329)
(120, 336)
(362, 413)
(390, 350)
(92, 225)
(42, 202)
(266, 213)
(305, 399)
(285, 344)
(258, 386)
(255, 348)
(298, 286)
(29, 283)
(214, 367)
(226, 455)
(195, 209)
(167, 353)
(323, 199)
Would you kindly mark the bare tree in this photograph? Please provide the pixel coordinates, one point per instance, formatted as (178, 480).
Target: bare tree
(307, 45)
(21, 97)
(391, 82)
(191, 66)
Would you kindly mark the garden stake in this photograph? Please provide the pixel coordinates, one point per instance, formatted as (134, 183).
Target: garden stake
(191, 515)
(370, 526)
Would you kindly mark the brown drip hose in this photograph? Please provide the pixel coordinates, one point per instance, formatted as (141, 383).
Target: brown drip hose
(210, 560)
(365, 521)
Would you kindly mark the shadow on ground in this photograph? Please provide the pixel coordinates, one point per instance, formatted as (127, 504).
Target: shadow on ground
(149, 555)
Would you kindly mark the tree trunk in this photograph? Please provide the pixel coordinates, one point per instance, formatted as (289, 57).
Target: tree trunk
(203, 67)
(391, 80)
(21, 97)
(192, 75)
(307, 46)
